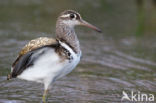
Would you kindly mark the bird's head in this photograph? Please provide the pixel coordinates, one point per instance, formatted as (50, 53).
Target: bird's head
(72, 18)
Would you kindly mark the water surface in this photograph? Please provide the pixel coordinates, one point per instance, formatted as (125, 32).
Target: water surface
(123, 57)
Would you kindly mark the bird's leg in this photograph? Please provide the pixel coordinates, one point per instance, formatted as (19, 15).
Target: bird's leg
(47, 87)
(44, 98)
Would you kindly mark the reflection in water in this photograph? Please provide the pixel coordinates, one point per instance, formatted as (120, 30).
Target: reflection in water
(113, 61)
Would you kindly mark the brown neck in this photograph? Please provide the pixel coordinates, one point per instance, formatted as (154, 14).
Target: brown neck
(67, 34)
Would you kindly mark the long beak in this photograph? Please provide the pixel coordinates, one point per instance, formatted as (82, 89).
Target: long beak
(84, 23)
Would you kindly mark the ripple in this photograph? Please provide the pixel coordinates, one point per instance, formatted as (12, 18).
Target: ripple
(139, 60)
(11, 101)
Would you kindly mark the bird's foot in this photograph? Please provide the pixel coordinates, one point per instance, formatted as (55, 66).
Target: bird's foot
(44, 100)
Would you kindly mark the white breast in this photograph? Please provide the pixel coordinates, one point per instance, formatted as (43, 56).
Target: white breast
(70, 64)
(48, 66)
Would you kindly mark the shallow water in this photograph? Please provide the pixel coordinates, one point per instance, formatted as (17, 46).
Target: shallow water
(118, 59)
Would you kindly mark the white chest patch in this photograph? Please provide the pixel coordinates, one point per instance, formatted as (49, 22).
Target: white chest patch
(70, 64)
(48, 66)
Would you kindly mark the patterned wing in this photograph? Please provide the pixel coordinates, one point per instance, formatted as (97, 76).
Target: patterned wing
(36, 43)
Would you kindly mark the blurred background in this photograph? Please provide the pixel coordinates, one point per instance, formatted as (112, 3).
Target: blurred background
(123, 57)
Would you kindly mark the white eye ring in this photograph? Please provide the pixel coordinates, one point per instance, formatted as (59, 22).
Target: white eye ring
(66, 15)
(69, 15)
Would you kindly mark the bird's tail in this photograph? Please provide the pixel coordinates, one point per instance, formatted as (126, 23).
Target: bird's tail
(9, 76)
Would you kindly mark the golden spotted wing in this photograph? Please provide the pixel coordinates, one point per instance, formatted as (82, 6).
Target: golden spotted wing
(26, 52)
(37, 43)
(34, 44)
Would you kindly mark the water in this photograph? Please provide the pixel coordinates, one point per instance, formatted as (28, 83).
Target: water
(123, 57)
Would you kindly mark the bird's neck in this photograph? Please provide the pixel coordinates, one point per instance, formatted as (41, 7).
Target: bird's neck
(67, 34)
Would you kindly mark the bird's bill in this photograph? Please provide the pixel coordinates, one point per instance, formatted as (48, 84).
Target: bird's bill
(84, 23)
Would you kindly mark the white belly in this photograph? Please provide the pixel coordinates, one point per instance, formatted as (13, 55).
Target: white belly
(49, 68)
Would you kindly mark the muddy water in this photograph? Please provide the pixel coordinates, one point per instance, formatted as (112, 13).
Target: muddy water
(117, 59)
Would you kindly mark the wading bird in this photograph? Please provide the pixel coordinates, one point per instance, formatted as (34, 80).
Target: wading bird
(45, 60)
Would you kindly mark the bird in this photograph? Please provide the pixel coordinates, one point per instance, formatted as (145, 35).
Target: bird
(45, 59)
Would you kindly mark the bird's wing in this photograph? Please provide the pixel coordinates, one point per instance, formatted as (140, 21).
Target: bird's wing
(24, 59)
(22, 63)
(36, 43)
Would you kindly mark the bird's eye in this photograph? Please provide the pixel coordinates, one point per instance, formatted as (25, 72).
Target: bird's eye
(72, 16)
